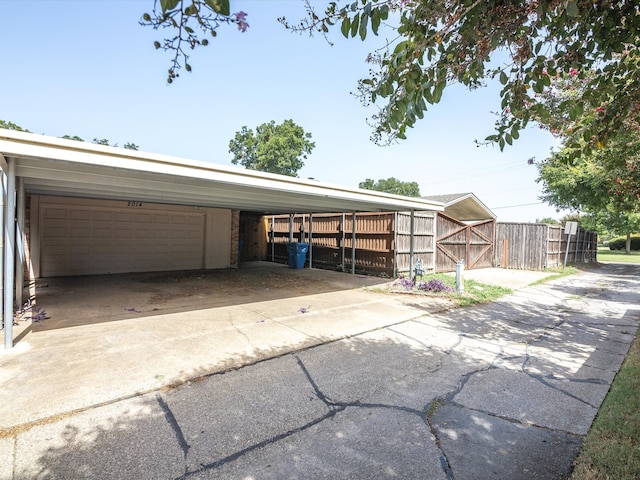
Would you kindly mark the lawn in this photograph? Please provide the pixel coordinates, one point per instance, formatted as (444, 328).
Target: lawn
(619, 256)
(611, 450)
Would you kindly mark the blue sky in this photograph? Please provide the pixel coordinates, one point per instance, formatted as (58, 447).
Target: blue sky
(87, 68)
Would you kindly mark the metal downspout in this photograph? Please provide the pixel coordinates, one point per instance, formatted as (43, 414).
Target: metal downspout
(9, 258)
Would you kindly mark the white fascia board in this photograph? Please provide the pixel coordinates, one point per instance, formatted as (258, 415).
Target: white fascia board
(20, 144)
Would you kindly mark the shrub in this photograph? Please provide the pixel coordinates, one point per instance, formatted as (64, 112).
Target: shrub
(619, 243)
(407, 283)
(434, 286)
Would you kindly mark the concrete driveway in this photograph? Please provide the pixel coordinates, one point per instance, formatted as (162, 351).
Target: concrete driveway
(342, 383)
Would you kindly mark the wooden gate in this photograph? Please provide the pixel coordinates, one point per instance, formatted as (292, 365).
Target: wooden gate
(457, 241)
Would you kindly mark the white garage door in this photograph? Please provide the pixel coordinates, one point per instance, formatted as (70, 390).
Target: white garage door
(100, 237)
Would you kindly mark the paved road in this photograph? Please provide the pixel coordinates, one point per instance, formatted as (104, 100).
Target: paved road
(503, 391)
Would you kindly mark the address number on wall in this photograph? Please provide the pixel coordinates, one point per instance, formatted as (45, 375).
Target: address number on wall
(134, 204)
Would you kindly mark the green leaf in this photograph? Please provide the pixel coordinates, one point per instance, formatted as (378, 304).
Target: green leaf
(503, 78)
(363, 26)
(219, 6)
(508, 139)
(572, 8)
(167, 5)
(346, 26)
(355, 23)
(375, 21)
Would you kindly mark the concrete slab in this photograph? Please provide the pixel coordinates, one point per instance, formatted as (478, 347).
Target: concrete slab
(130, 439)
(355, 443)
(518, 396)
(341, 389)
(482, 447)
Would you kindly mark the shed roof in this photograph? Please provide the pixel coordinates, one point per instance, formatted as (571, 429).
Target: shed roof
(55, 166)
(465, 207)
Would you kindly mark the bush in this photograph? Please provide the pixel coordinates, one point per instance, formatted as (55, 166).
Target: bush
(619, 243)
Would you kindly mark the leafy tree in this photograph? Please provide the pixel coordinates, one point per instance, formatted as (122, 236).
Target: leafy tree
(272, 148)
(392, 185)
(549, 220)
(592, 185)
(73, 137)
(522, 43)
(102, 141)
(12, 126)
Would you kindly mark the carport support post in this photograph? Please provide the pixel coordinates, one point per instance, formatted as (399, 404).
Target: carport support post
(411, 225)
(273, 238)
(3, 199)
(310, 240)
(342, 242)
(395, 244)
(9, 245)
(291, 227)
(353, 243)
(20, 243)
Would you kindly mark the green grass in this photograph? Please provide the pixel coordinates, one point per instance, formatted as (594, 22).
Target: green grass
(474, 292)
(611, 450)
(477, 293)
(606, 255)
(557, 273)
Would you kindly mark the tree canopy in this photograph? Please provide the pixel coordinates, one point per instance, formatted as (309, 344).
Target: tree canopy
(392, 185)
(597, 184)
(12, 126)
(522, 43)
(272, 148)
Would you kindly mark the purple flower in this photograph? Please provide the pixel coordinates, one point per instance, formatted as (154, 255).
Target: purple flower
(241, 18)
(302, 310)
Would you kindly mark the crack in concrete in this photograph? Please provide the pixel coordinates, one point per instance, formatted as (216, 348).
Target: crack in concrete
(175, 427)
(334, 407)
(246, 337)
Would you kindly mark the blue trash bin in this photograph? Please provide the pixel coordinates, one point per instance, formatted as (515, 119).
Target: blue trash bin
(297, 254)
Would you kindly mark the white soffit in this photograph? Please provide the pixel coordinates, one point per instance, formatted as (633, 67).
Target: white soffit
(54, 166)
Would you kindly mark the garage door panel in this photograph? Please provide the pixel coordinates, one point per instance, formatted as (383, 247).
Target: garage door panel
(80, 214)
(92, 239)
(54, 213)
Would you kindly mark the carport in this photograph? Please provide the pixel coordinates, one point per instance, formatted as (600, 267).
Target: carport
(38, 165)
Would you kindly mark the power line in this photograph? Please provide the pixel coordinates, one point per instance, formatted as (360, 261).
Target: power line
(477, 173)
(514, 206)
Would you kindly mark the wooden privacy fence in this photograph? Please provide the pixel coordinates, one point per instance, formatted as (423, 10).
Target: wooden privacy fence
(536, 246)
(470, 243)
(381, 240)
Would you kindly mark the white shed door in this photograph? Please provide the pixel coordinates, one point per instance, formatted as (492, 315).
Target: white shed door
(94, 239)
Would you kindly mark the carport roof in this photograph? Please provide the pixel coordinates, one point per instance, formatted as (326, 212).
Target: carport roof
(55, 166)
